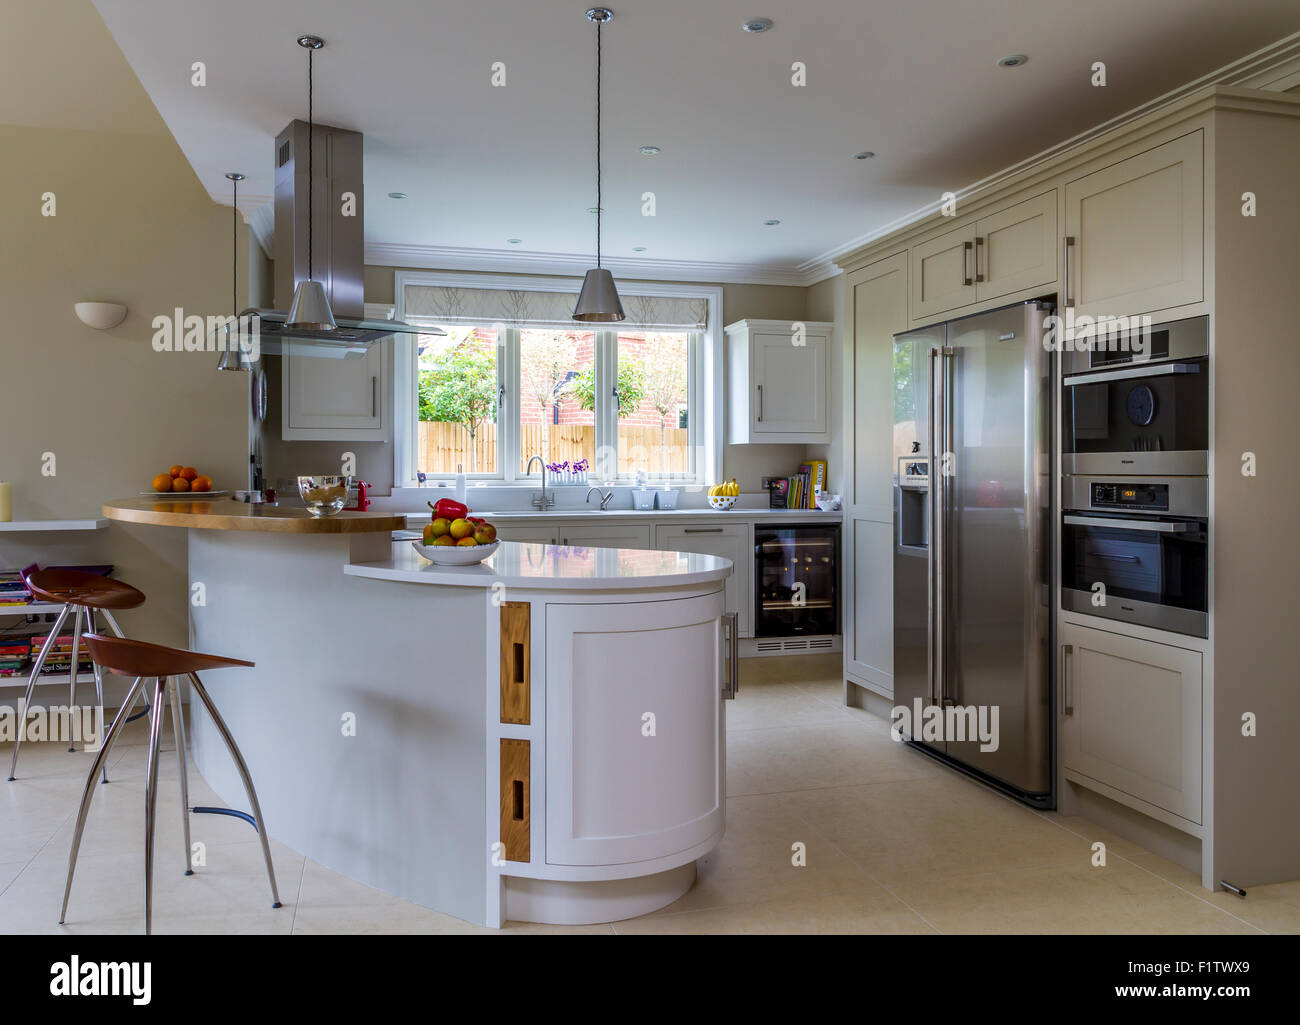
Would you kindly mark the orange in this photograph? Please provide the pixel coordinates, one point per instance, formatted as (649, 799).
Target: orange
(466, 542)
(175, 471)
(189, 473)
(163, 482)
(180, 484)
(201, 483)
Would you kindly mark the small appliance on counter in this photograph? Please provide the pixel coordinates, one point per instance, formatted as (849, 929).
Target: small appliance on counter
(358, 496)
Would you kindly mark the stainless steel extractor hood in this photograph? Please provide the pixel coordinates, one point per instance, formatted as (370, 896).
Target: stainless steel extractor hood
(338, 239)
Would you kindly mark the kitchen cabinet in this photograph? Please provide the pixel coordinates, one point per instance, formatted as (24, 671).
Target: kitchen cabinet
(602, 679)
(1134, 233)
(336, 399)
(1130, 717)
(581, 534)
(529, 533)
(732, 541)
(778, 380)
(1000, 253)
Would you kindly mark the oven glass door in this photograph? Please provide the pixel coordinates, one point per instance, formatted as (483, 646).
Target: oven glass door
(1150, 570)
(796, 579)
(1125, 421)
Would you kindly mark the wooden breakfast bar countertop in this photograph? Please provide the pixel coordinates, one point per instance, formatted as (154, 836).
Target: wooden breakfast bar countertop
(227, 514)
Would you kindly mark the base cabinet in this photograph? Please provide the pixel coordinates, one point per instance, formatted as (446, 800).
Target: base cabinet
(1130, 717)
(730, 541)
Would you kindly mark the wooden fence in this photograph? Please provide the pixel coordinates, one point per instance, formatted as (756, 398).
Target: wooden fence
(444, 445)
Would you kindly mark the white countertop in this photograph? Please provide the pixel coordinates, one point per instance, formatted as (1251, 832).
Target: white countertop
(591, 513)
(558, 567)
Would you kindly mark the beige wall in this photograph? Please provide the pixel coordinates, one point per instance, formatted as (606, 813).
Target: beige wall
(132, 225)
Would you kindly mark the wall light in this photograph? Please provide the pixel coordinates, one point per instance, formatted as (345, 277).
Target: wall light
(100, 316)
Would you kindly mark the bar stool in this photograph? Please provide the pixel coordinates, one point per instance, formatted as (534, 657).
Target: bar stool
(125, 657)
(81, 594)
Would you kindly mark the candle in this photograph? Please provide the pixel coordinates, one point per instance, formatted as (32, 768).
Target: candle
(6, 501)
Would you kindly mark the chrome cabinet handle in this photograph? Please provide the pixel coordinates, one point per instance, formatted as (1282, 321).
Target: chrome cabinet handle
(1127, 373)
(760, 403)
(1067, 697)
(706, 530)
(1066, 301)
(1157, 526)
(979, 245)
(374, 389)
(731, 626)
(966, 279)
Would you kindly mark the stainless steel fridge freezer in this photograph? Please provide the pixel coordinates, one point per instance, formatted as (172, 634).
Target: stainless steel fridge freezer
(973, 516)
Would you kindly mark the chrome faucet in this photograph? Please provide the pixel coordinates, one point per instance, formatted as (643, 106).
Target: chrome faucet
(605, 496)
(540, 502)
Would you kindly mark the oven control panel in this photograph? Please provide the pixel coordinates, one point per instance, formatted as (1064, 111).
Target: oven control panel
(1135, 496)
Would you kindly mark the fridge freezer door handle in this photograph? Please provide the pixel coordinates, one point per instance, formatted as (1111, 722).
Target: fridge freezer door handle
(933, 654)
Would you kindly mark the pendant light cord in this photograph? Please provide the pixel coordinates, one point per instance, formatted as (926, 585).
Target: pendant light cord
(598, 193)
(311, 153)
(234, 246)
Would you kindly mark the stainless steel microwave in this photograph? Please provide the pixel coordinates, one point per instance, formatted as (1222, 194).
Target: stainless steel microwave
(1137, 402)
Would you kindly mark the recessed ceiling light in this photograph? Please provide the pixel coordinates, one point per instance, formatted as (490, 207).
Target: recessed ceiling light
(649, 151)
(397, 195)
(757, 25)
(514, 241)
(1012, 60)
(865, 154)
(770, 222)
(638, 249)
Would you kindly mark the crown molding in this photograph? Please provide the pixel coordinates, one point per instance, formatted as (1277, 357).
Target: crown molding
(258, 212)
(433, 257)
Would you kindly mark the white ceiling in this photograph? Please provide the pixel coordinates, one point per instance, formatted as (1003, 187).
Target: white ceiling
(913, 80)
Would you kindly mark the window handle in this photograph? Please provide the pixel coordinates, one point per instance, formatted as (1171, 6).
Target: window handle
(618, 403)
(501, 397)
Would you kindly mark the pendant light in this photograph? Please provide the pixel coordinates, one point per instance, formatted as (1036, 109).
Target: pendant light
(233, 356)
(310, 310)
(598, 301)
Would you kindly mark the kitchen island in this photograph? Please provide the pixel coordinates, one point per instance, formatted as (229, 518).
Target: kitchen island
(539, 737)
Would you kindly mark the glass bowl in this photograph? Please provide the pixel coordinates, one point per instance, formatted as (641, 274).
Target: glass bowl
(323, 496)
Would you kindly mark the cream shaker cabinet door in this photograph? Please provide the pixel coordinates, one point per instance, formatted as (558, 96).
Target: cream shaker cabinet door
(730, 541)
(943, 274)
(583, 534)
(329, 399)
(1134, 233)
(789, 384)
(1130, 715)
(529, 533)
(1015, 249)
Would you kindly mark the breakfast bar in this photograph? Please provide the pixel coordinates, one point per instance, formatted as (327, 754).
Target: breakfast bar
(539, 737)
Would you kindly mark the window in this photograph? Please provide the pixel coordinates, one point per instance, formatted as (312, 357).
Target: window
(513, 377)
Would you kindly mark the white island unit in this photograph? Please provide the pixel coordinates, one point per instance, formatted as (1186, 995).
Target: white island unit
(538, 738)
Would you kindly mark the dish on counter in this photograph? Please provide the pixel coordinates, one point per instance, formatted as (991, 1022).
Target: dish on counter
(455, 555)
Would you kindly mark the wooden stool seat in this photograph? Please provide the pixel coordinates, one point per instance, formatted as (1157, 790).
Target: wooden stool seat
(89, 590)
(126, 657)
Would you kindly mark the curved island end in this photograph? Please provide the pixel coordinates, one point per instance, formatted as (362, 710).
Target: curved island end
(537, 738)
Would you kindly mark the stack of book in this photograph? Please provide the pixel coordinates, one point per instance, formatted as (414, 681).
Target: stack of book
(13, 654)
(13, 590)
(800, 490)
(59, 660)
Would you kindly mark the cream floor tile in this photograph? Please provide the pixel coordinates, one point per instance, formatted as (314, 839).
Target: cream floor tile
(827, 914)
(755, 860)
(1092, 832)
(1072, 897)
(1274, 908)
(331, 903)
(765, 705)
(9, 872)
(806, 757)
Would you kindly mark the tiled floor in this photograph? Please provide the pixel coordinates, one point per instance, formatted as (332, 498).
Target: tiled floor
(893, 843)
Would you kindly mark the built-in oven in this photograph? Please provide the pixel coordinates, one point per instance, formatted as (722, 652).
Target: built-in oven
(1135, 550)
(796, 580)
(1136, 401)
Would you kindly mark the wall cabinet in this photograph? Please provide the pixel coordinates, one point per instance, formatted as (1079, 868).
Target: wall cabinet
(731, 541)
(1137, 233)
(778, 380)
(335, 399)
(1130, 717)
(999, 254)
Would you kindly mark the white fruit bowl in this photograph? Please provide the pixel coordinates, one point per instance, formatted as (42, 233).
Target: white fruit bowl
(722, 502)
(454, 555)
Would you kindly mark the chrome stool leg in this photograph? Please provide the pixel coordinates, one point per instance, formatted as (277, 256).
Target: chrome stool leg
(99, 677)
(126, 709)
(178, 728)
(31, 686)
(109, 740)
(151, 797)
(242, 766)
(72, 671)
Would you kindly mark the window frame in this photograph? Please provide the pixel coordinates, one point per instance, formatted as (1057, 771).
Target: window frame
(705, 390)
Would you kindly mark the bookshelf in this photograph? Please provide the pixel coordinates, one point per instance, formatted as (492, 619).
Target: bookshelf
(45, 526)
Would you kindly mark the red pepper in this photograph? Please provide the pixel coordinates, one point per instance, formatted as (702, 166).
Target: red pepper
(449, 508)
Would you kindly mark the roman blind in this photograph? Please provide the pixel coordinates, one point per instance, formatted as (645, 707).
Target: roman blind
(449, 304)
